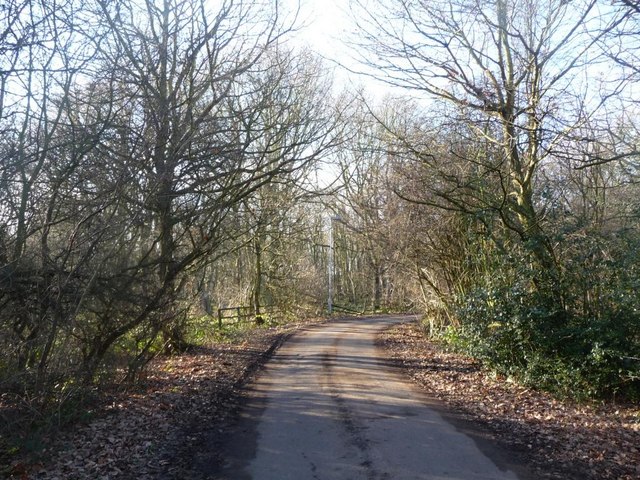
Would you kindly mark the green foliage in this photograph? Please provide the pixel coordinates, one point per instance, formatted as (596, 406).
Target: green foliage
(512, 321)
(204, 330)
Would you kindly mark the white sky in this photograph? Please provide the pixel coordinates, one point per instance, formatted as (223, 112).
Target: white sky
(325, 23)
(326, 27)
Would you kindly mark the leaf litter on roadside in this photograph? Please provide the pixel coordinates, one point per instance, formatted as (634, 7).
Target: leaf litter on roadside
(561, 439)
(153, 430)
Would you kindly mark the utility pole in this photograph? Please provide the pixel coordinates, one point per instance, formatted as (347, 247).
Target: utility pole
(331, 263)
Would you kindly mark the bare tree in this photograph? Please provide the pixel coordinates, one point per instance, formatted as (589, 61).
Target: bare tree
(134, 137)
(41, 60)
(507, 70)
(300, 123)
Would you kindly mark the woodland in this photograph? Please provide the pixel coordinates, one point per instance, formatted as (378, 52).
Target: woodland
(162, 159)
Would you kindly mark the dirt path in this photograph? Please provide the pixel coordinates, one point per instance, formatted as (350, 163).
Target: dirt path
(330, 406)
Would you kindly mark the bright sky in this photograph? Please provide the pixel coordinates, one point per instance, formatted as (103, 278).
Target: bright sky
(326, 26)
(325, 23)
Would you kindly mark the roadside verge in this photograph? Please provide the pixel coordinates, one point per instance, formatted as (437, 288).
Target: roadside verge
(560, 439)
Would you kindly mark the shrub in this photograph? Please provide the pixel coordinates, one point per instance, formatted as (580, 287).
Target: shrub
(514, 325)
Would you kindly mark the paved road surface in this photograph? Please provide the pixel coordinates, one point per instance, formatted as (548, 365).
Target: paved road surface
(328, 406)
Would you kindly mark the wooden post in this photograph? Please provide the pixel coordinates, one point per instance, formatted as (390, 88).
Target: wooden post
(219, 318)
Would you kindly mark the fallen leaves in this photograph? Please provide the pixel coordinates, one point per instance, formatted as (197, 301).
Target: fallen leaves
(561, 439)
(154, 431)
